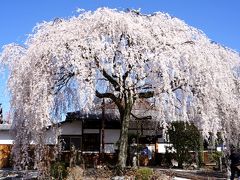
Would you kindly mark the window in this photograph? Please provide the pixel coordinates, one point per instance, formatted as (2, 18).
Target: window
(76, 141)
(68, 140)
(91, 142)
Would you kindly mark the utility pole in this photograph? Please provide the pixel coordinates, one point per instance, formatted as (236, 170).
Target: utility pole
(102, 130)
(1, 116)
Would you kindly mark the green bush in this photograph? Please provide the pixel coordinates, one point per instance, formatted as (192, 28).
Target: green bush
(58, 170)
(184, 137)
(144, 174)
(215, 156)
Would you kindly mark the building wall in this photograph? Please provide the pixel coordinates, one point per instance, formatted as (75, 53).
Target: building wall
(5, 137)
(51, 137)
(5, 153)
(111, 135)
(6, 141)
(144, 132)
(89, 131)
(73, 128)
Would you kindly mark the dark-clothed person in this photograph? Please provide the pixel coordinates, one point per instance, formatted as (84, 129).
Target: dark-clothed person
(235, 161)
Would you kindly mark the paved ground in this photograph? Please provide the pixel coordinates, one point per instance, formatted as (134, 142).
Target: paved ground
(196, 174)
(8, 174)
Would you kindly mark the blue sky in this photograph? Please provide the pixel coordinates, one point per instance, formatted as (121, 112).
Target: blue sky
(219, 19)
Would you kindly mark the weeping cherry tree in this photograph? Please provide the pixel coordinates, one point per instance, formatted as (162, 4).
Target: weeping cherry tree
(122, 57)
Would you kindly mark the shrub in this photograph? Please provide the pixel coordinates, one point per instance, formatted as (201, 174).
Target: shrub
(159, 175)
(184, 137)
(58, 170)
(75, 173)
(144, 173)
(216, 155)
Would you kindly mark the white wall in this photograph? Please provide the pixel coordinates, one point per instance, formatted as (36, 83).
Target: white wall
(110, 148)
(73, 128)
(5, 137)
(89, 131)
(145, 132)
(161, 147)
(111, 135)
(149, 132)
(51, 137)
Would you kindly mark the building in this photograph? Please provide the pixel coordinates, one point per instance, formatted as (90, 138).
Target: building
(6, 141)
(95, 134)
(92, 125)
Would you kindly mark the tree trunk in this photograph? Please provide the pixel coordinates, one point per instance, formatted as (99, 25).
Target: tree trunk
(180, 159)
(180, 164)
(123, 140)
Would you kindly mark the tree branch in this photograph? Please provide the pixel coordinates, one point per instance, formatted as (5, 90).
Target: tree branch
(107, 76)
(189, 42)
(62, 81)
(141, 118)
(111, 96)
(111, 80)
(106, 95)
(176, 84)
(148, 94)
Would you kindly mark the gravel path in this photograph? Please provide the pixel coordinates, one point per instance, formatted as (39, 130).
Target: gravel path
(8, 174)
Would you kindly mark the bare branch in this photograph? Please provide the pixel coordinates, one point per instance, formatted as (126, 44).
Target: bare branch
(106, 95)
(63, 81)
(111, 96)
(111, 80)
(189, 42)
(141, 118)
(177, 84)
(148, 94)
(107, 76)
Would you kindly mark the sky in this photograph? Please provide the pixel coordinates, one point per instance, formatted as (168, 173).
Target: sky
(218, 19)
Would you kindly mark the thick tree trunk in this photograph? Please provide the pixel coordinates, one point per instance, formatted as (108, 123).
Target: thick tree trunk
(123, 140)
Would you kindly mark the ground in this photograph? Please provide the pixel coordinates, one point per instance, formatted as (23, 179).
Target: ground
(93, 174)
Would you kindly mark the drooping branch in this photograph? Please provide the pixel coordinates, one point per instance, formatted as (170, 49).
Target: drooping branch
(63, 81)
(174, 84)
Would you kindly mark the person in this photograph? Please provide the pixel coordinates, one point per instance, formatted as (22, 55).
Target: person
(73, 156)
(146, 155)
(235, 162)
(133, 153)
